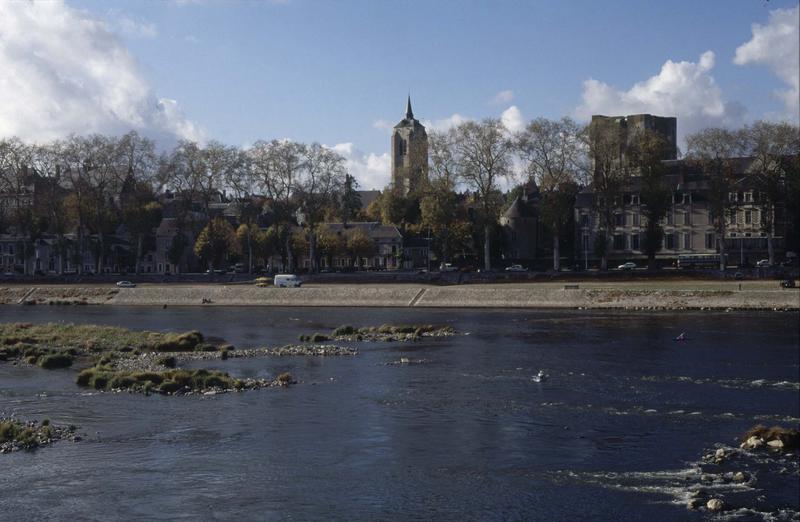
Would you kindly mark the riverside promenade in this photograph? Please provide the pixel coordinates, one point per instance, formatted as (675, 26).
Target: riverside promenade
(640, 295)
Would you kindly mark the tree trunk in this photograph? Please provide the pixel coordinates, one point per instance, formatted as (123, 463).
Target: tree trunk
(289, 256)
(312, 252)
(487, 256)
(556, 249)
(604, 262)
(722, 250)
(249, 252)
(651, 261)
(770, 247)
(139, 242)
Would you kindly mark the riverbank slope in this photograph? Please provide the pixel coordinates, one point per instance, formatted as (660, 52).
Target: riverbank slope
(761, 295)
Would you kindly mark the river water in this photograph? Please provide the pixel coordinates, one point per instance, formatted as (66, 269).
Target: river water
(614, 432)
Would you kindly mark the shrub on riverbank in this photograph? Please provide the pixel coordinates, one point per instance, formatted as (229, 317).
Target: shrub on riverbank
(33, 342)
(384, 332)
(344, 330)
(168, 382)
(18, 435)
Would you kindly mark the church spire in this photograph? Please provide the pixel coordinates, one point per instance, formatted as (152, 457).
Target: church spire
(409, 112)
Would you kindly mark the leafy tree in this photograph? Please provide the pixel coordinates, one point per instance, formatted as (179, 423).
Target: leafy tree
(331, 244)
(248, 237)
(215, 242)
(350, 200)
(360, 245)
(176, 249)
(141, 213)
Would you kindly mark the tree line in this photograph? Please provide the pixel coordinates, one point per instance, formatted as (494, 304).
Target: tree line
(92, 185)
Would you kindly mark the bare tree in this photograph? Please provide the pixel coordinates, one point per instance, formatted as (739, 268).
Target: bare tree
(771, 145)
(277, 167)
(715, 150)
(609, 175)
(320, 184)
(553, 153)
(484, 157)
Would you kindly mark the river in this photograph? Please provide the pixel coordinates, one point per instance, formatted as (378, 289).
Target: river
(614, 431)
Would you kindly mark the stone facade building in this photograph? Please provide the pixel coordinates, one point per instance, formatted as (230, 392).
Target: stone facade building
(688, 225)
(409, 153)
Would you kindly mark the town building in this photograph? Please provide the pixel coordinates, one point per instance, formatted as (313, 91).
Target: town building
(689, 225)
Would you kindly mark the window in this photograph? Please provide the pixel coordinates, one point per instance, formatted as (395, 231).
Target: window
(636, 220)
(634, 241)
(687, 241)
(748, 197)
(635, 199)
(710, 241)
(669, 241)
(584, 220)
(687, 218)
(619, 220)
(748, 217)
(619, 241)
(670, 220)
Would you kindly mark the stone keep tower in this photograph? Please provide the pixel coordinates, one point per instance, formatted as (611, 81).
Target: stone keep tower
(409, 153)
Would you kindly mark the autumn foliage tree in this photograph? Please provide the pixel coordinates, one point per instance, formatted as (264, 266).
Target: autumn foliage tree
(215, 242)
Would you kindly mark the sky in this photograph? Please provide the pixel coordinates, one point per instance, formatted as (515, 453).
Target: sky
(338, 72)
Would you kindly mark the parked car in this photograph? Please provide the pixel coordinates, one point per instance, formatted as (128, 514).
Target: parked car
(764, 263)
(263, 281)
(627, 266)
(126, 284)
(447, 267)
(287, 280)
(516, 268)
(788, 283)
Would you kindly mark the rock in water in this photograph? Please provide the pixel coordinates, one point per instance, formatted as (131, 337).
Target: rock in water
(775, 444)
(753, 443)
(715, 505)
(739, 477)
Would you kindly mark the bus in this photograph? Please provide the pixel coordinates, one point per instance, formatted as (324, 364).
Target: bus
(700, 261)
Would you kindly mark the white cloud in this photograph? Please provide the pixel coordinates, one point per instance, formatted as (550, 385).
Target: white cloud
(64, 72)
(512, 119)
(372, 171)
(445, 124)
(133, 28)
(686, 90)
(776, 45)
(383, 125)
(503, 97)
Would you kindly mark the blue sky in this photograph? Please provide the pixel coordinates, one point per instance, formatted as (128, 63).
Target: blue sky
(338, 72)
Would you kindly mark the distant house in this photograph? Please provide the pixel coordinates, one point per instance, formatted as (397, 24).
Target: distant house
(520, 224)
(388, 248)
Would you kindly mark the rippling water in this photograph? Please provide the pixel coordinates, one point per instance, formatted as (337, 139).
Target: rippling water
(615, 432)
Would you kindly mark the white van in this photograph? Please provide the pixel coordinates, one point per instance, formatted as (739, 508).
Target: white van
(286, 281)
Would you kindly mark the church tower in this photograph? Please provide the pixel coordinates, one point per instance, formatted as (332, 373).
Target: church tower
(409, 153)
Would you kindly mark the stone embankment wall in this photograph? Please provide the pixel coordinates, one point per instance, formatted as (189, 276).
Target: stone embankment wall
(463, 296)
(507, 296)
